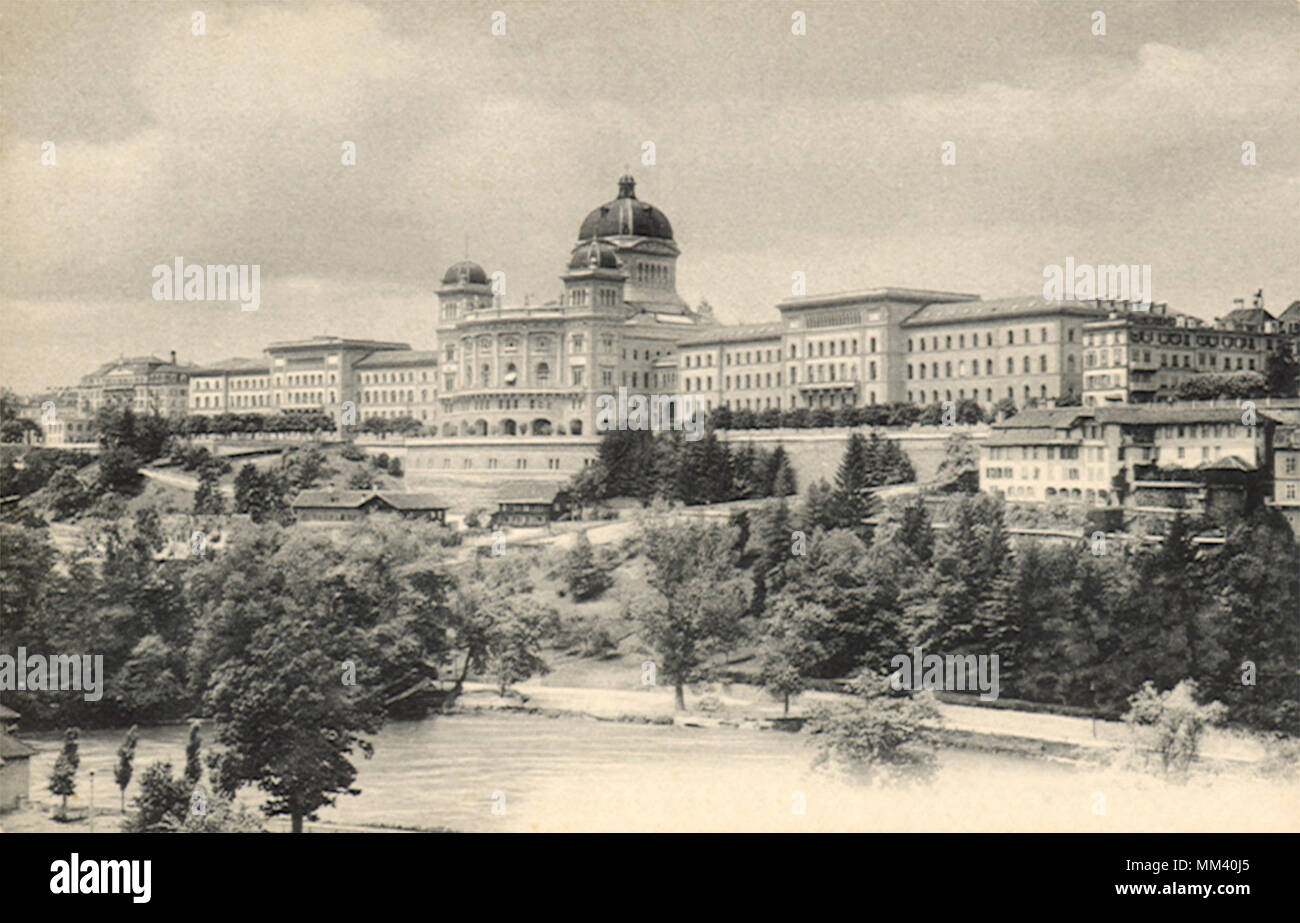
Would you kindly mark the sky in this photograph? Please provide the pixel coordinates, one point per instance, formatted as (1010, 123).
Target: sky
(774, 153)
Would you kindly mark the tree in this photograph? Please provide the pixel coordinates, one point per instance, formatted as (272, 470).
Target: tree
(879, 737)
(193, 761)
(361, 480)
(819, 506)
(63, 780)
(915, 531)
(67, 495)
(698, 597)
(263, 495)
(119, 470)
(514, 641)
(792, 648)
(163, 802)
(207, 498)
(853, 501)
(585, 578)
(300, 642)
(126, 762)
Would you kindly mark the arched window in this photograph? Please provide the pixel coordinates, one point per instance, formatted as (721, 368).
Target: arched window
(543, 373)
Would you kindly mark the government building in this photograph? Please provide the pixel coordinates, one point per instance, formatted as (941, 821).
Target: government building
(515, 387)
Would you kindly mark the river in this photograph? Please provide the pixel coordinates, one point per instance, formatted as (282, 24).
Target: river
(508, 772)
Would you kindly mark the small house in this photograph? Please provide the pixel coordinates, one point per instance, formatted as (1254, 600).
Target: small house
(529, 503)
(354, 505)
(15, 763)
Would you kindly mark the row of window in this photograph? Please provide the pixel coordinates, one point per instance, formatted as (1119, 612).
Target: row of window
(1026, 337)
(1026, 367)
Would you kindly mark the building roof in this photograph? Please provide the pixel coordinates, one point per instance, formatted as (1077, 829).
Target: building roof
(1029, 435)
(1248, 318)
(1287, 437)
(11, 748)
(355, 499)
(233, 365)
(862, 296)
(140, 365)
(390, 358)
(952, 312)
(1226, 463)
(332, 342)
(595, 255)
(529, 492)
(734, 333)
(626, 216)
(466, 272)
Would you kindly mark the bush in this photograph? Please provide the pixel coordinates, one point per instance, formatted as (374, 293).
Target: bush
(1173, 722)
(709, 704)
(351, 452)
(881, 738)
(395, 467)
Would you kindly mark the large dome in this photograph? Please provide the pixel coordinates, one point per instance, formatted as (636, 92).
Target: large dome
(626, 215)
(463, 272)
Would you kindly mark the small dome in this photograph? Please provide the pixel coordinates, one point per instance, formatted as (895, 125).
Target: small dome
(626, 215)
(594, 256)
(466, 271)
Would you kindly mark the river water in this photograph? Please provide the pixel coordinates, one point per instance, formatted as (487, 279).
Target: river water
(507, 772)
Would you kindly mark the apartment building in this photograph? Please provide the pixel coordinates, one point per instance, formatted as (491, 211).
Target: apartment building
(395, 383)
(146, 384)
(231, 386)
(1022, 349)
(1158, 457)
(1139, 354)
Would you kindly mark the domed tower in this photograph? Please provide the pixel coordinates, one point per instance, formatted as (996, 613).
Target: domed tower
(465, 288)
(595, 279)
(641, 239)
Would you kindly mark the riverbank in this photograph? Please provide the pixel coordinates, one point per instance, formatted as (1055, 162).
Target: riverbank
(1029, 734)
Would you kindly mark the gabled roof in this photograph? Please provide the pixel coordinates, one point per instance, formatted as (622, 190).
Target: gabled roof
(355, 499)
(11, 748)
(528, 492)
(1246, 317)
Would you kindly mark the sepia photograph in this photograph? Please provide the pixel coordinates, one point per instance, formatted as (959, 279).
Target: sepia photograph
(874, 417)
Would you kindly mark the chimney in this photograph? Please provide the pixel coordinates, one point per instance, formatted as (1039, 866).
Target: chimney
(1238, 303)
(173, 357)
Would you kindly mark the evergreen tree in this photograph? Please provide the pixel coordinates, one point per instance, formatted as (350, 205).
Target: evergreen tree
(915, 531)
(585, 578)
(126, 763)
(819, 507)
(63, 780)
(853, 501)
(193, 758)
